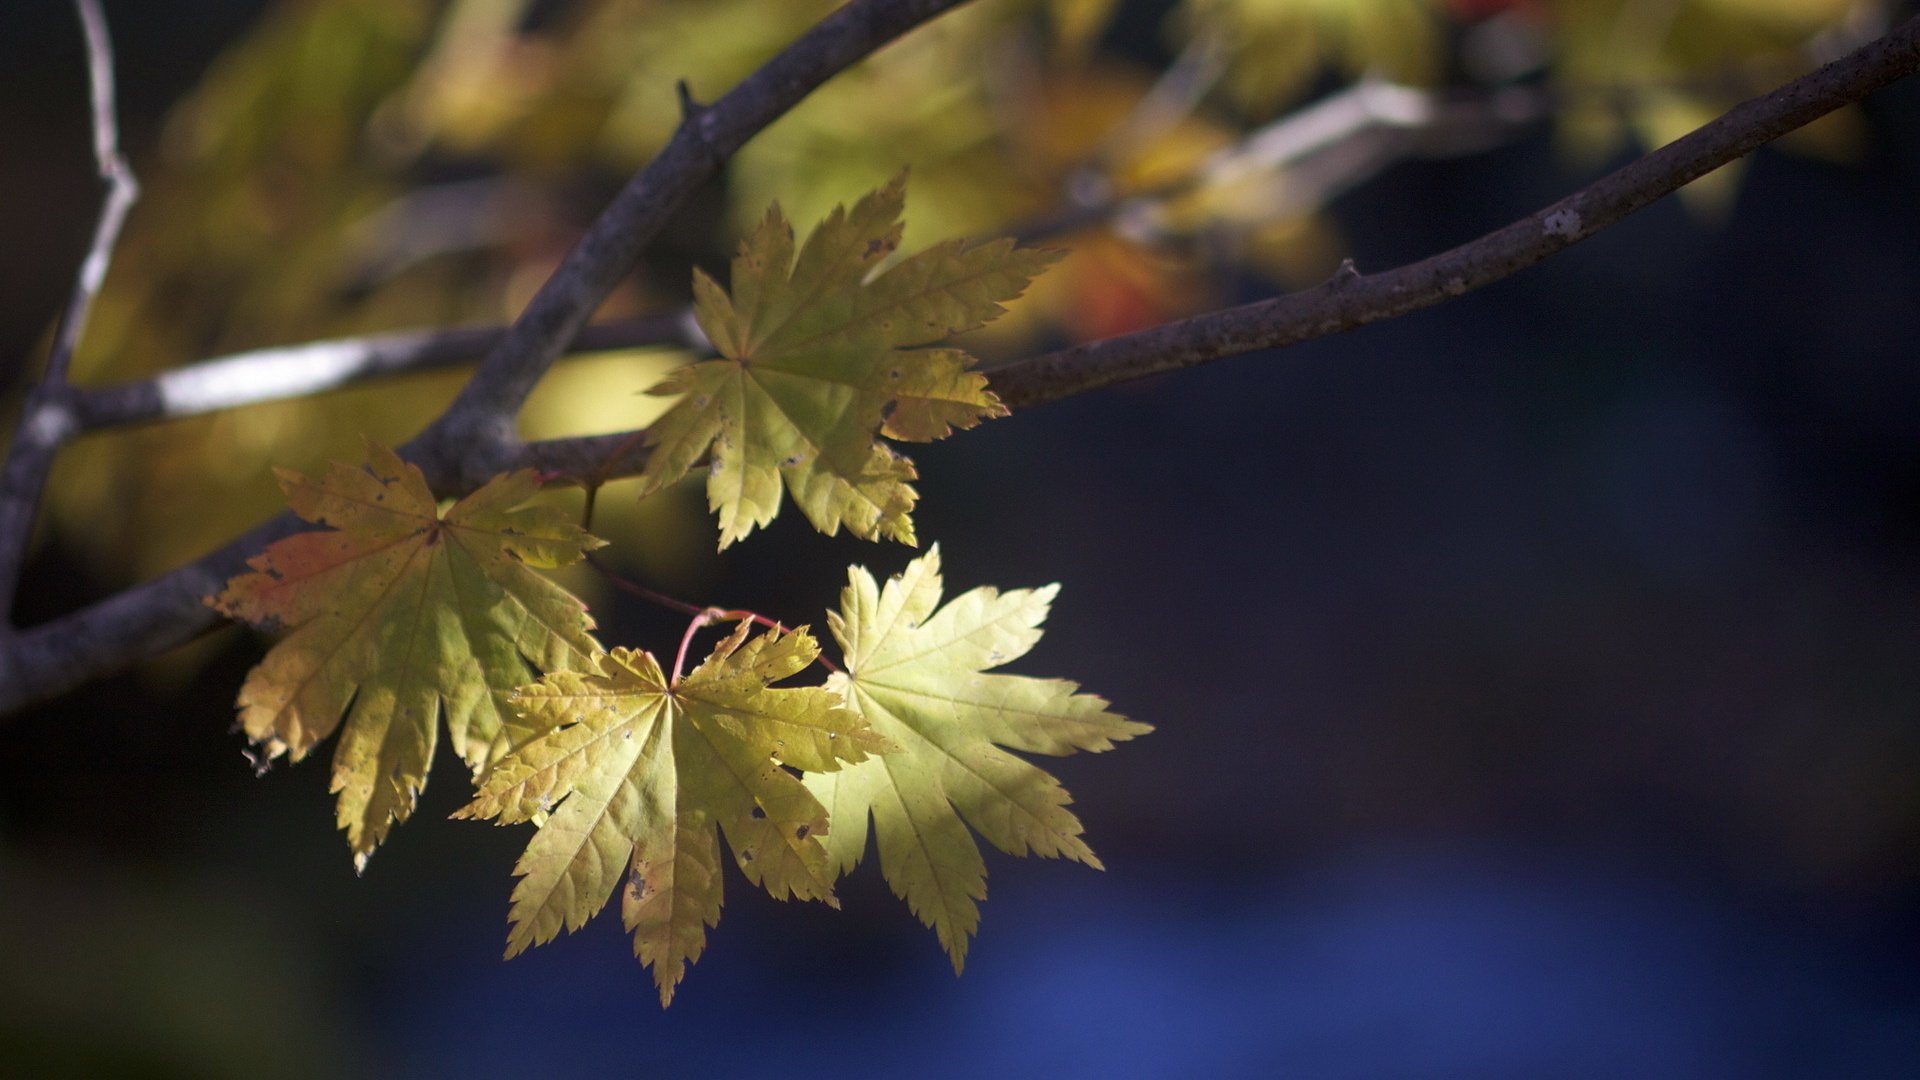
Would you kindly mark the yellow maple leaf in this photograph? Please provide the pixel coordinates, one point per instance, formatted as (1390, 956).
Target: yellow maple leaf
(635, 776)
(819, 359)
(401, 613)
(919, 678)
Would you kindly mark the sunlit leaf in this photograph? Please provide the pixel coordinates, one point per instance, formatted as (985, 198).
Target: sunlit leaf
(820, 357)
(636, 777)
(399, 615)
(919, 677)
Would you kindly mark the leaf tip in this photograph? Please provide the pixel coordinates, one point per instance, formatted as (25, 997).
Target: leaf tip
(519, 939)
(1047, 256)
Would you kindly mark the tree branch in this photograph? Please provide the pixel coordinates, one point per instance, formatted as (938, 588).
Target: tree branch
(156, 616)
(45, 420)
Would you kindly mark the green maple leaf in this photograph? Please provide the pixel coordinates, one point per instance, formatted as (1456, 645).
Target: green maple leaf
(402, 614)
(919, 678)
(636, 777)
(818, 361)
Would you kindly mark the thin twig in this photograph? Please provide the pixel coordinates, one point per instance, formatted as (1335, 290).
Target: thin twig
(122, 190)
(46, 421)
(151, 618)
(1169, 101)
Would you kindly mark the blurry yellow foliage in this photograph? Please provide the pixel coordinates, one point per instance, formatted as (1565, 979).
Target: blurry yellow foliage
(935, 102)
(1076, 23)
(637, 49)
(1275, 48)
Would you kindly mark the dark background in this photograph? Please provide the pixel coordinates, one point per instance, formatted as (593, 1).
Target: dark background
(1534, 678)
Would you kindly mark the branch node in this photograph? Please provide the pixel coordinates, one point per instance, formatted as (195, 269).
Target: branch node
(690, 109)
(1564, 223)
(50, 421)
(1347, 273)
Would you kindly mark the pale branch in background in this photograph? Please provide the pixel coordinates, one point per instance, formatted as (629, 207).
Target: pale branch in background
(151, 618)
(1171, 99)
(289, 371)
(45, 420)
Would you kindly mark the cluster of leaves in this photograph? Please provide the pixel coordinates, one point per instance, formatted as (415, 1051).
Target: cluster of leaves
(406, 612)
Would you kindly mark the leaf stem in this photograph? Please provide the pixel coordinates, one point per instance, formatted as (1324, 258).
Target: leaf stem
(702, 616)
(680, 658)
(634, 588)
(586, 510)
(604, 471)
(598, 476)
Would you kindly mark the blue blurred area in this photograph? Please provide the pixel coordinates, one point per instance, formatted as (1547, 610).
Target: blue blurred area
(1439, 960)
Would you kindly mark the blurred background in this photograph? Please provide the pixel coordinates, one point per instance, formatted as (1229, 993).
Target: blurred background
(1534, 676)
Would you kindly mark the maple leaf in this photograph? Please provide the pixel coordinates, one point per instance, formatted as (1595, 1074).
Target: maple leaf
(634, 775)
(919, 678)
(401, 614)
(817, 361)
